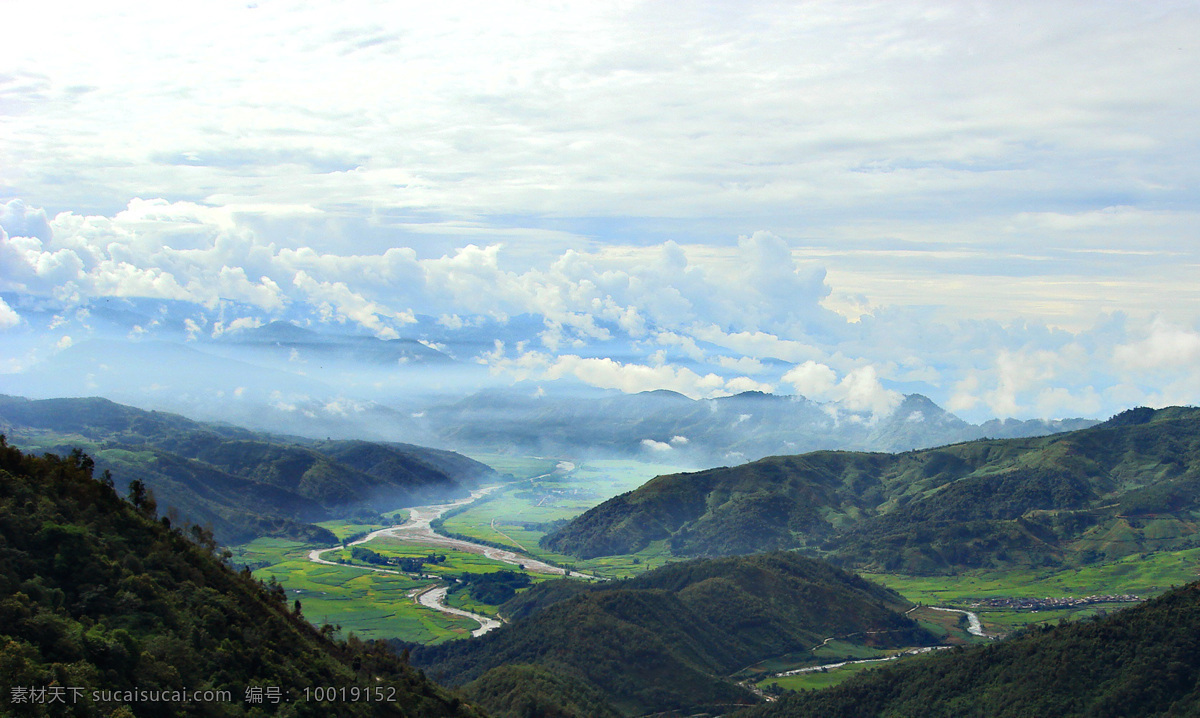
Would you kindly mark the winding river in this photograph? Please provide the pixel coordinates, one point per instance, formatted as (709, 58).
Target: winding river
(974, 627)
(418, 530)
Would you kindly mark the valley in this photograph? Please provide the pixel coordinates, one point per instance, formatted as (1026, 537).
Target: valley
(997, 602)
(481, 578)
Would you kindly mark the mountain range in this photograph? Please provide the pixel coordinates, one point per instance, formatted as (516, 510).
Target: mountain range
(668, 425)
(1129, 485)
(240, 482)
(298, 374)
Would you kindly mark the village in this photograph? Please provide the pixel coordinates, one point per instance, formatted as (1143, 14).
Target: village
(1044, 604)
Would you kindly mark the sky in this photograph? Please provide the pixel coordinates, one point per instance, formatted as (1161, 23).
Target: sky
(992, 203)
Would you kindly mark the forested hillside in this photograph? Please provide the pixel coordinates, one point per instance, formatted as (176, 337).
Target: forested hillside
(242, 483)
(1127, 486)
(1144, 661)
(665, 640)
(98, 595)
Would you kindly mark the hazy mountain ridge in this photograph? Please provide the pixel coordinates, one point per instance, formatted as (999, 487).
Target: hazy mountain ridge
(294, 372)
(244, 483)
(1110, 490)
(666, 639)
(728, 429)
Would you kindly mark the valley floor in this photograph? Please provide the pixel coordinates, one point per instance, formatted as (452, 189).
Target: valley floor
(385, 602)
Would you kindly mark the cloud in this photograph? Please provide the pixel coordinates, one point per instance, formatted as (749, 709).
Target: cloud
(1164, 347)
(8, 317)
(236, 325)
(653, 445)
(859, 390)
(336, 301)
(702, 319)
(607, 373)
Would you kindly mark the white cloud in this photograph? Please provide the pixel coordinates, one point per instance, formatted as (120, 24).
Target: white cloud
(653, 445)
(1164, 346)
(237, 325)
(746, 365)
(8, 317)
(337, 301)
(607, 373)
(858, 390)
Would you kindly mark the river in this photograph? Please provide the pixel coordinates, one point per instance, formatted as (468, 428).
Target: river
(417, 529)
(974, 627)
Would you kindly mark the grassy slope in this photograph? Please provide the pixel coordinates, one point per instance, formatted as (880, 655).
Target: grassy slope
(1129, 486)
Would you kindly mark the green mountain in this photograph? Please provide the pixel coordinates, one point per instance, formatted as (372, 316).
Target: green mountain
(666, 639)
(1129, 485)
(125, 615)
(1144, 661)
(242, 483)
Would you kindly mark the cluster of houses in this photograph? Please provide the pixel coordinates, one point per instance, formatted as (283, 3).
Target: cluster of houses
(1045, 604)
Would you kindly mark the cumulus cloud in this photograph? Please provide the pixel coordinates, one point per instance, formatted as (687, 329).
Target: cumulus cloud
(236, 325)
(607, 373)
(653, 445)
(1164, 346)
(8, 317)
(703, 320)
(859, 390)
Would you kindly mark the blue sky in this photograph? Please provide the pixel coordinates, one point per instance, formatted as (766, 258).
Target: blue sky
(994, 203)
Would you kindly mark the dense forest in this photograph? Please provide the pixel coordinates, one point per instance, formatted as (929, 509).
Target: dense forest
(120, 613)
(1144, 661)
(665, 640)
(242, 483)
(1129, 485)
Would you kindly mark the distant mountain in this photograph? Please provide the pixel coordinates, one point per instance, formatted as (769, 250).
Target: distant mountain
(1140, 662)
(296, 371)
(664, 640)
(243, 483)
(1121, 487)
(127, 616)
(191, 379)
(280, 339)
(724, 430)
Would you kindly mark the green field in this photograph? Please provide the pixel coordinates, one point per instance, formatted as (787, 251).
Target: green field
(371, 604)
(1143, 575)
(520, 467)
(818, 679)
(514, 515)
(344, 529)
(367, 603)
(456, 561)
(828, 678)
(377, 605)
